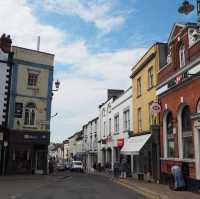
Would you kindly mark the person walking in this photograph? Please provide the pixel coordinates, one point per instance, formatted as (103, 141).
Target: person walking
(123, 169)
(116, 169)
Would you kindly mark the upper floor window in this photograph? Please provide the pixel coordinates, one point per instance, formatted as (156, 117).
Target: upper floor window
(30, 115)
(150, 77)
(109, 108)
(104, 129)
(139, 87)
(32, 79)
(126, 115)
(182, 56)
(116, 123)
(109, 126)
(139, 114)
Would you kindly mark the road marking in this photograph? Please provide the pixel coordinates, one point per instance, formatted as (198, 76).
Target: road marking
(142, 192)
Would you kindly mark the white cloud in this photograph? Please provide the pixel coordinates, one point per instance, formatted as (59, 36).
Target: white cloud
(83, 89)
(101, 12)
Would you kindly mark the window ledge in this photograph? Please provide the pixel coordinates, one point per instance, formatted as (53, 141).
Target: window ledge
(30, 127)
(178, 159)
(150, 88)
(32, 87)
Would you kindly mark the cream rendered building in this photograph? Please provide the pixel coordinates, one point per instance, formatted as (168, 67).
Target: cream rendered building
(30, 111)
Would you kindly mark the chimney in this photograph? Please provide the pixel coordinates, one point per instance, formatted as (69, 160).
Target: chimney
(5, 43)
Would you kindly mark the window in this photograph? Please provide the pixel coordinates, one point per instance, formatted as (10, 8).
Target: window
(151, 115)
(109, 108)
(18, 110)
(32, 79)
(182, 56)
(139, 87)
(187, 136)
(103, 112)
(170, 136)
(116, 124)
(110, 126)
(104, 129)
(30, 115)
(139, 119)
(150, 78)
(126, 115)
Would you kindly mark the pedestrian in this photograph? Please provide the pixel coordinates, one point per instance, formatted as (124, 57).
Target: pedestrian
(123, 169)
(179, 183)
(51, 166)
(116, 169)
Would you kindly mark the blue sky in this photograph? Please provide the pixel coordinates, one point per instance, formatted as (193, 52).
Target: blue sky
(95, 42)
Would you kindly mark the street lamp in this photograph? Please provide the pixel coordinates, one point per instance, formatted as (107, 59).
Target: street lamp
(57, 85)
(186, 8)
(5, 144)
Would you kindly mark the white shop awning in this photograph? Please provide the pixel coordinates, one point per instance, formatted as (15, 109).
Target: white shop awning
(134, 144)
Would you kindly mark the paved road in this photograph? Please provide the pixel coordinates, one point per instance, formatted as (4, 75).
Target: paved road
(81, 186)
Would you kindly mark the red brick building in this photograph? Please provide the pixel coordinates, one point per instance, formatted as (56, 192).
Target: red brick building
(179, 95)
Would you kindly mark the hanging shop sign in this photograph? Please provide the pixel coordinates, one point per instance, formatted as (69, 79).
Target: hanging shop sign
(155, 107)
(120, 143)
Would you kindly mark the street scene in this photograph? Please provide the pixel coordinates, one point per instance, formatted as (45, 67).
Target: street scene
(99, 99)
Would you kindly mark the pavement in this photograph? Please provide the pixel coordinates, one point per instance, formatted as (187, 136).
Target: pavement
(62, 186)
(152, 190)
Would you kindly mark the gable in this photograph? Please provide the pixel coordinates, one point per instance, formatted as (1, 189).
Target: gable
(177, 28)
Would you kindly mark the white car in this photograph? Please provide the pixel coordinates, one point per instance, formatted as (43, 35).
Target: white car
(77, 166)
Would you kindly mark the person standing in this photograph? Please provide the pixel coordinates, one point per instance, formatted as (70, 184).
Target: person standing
(123, 169)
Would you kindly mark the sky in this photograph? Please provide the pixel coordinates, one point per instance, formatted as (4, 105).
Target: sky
(95, 42)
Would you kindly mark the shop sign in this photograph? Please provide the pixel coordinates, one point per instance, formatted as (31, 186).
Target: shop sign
(178, 79)
(120, 142)
(155, 107)
(1, 136)
(34, 137)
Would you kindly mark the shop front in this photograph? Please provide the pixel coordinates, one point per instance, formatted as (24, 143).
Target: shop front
(138, 148)
(28, 152)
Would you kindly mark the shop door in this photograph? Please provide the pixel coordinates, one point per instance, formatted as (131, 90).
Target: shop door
(40, 162)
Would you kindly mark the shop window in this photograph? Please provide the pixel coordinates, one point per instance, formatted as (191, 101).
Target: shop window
(170, 136)
(30, 115)
(187, 135)
(198, 107)
(182, 56)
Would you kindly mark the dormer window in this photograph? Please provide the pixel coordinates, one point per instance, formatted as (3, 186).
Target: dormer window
(182, 56)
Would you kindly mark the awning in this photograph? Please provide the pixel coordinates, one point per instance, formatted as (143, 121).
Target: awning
(134, 144)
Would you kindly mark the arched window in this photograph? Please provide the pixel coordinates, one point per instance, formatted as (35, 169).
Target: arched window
(182, 56)
(30, 114)
(187, 135)
(170, 136)
(198, 107)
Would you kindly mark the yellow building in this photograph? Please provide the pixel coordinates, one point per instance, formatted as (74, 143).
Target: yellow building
(144, 81)
(144, 145)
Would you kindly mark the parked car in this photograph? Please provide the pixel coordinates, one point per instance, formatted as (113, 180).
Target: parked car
(60, 166)
(76, 166)
(67, 165)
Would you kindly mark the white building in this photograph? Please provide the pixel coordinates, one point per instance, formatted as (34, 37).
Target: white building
(76, 146)
(105, 128)
(66, 153)
(121, 115)
(90, 142)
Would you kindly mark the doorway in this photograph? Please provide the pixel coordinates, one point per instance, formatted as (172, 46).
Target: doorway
(40, 162)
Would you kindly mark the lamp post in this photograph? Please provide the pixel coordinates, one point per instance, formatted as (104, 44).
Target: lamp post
(57, 85)
(5, 144)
